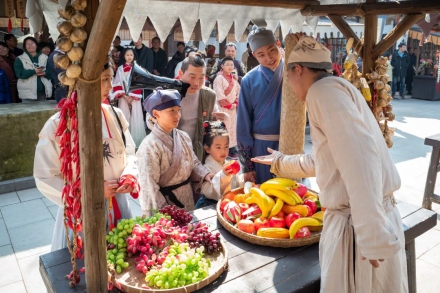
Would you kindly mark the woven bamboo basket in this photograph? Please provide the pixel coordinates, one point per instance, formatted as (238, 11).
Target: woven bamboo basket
(274, 242)
(131, 280)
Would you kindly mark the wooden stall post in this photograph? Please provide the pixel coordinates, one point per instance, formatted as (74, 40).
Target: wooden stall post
(370, 37)
(293, 113)
(90, 138)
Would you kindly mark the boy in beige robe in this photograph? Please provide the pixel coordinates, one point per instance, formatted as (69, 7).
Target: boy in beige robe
(169, 169)
(362, 243)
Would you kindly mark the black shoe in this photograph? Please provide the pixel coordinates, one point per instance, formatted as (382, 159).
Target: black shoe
(409, 93)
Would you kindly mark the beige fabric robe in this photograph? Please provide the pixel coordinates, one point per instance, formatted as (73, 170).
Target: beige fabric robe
(357, 178)
(155, 158)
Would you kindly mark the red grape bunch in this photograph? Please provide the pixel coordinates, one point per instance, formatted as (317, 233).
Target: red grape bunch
(177, 214)
(198, 235)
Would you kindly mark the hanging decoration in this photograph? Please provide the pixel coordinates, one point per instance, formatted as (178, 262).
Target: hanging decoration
(379, 100)
(21, 12)
(9, 12)
(69, 59)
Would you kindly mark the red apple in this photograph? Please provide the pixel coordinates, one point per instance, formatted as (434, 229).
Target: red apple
(290, 218)
(246, 226)
(310, 213)
(243, 207)
(276, 222)
(233, 166)
(303, 232)
(280, 215)
(223, 204)
(261, 223)
(301, 190)
(311, 205)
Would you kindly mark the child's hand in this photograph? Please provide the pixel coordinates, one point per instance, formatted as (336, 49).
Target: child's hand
(125, 188)
(209, 177)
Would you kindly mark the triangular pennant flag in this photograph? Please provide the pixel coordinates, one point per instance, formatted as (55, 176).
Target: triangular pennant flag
(260, 22)
(162, 27)
(189, 20)
(272, 24)
(285, 27)
(312, 22)
(240, 26)
(135, 16)
(206, 27)
(224, 26)
(297, 22)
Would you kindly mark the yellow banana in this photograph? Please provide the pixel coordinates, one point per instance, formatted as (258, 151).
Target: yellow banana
(295, 195)
(276, 208)
(267, 203)
(253, 199)
(302, 222)
(274, 185)
(289, 182)
(308, 194)
(282, 194)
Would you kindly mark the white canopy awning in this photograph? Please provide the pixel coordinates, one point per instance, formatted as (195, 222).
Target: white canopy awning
(164, 14)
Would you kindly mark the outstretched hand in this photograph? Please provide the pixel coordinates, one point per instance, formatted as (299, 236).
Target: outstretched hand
(265, 160)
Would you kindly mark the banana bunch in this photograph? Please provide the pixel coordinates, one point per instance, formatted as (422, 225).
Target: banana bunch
(302, 222)
(264, 202)
(281, 188)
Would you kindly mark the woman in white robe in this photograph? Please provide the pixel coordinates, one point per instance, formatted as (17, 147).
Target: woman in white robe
(362, 243)
(120, 170)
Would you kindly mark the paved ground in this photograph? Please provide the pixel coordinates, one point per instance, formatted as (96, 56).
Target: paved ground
(27, 218)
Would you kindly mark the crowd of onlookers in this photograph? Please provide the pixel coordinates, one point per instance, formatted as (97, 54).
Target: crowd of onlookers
(30, 74)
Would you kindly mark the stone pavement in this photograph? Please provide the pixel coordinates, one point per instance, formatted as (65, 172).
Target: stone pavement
(27, 218)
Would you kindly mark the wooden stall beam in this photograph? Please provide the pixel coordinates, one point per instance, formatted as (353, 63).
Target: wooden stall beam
(346, 30)
(100, 18)
(362, 9)
(370, 37)
(296, 4)
(395, 34)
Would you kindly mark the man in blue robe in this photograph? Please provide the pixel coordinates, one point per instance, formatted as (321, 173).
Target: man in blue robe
(259, 107)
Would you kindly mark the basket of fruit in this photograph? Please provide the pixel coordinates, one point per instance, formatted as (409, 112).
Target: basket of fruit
(281, 213)
(164, 253)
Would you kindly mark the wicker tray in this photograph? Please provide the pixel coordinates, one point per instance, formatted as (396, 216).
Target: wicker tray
(274, 242)
(131, 280)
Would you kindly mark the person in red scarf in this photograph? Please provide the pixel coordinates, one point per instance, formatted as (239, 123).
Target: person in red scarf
(227, 89)
(130, 104)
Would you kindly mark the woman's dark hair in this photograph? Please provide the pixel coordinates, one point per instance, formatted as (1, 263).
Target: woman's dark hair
(123, 61)
(30, 39)
(42, 45)
(189, 49)
(196, 61)
(211, 130)
(180, 44)
(4, 44)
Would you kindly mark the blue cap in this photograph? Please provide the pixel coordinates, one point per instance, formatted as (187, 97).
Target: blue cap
(161, 99)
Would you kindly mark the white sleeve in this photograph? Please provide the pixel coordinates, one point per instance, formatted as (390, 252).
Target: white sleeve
(47, 165)
(294, 166)
(217, 187)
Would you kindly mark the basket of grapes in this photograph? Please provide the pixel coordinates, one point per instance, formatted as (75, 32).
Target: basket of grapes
(164, 253)
(278, 213)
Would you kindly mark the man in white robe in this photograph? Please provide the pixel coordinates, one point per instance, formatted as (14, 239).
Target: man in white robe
(362, 243)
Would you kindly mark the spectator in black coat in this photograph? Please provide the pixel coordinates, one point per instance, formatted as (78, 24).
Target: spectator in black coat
(411, 71)
(11, 41)
(144, 55)
(160, 58)
(400, 63)
(177, 57)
